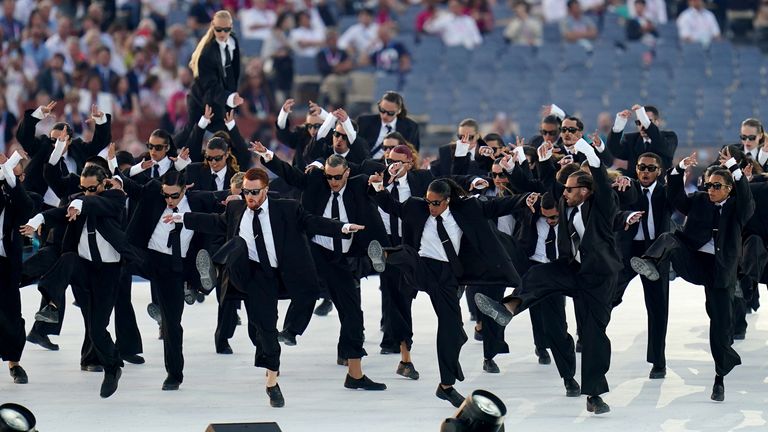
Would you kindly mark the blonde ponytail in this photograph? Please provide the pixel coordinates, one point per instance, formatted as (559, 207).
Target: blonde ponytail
(205, 39)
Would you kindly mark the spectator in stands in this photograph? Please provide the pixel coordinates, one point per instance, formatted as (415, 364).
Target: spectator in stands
(8, 123)
(390, 56)
(481, 11)
(578, 28)
(53, 80)
(103, 69)
(259, 101)
(640, 28)
(604, 125)
(359, 38)
(140, 69)
(178, 39)
(524, 29)
(697, 25)
(176, 115)
(334, 65)
(257, 20)
(126, 102)
(761, 26)
(305, 39)
(152, 103)
(454, 27)
(11, 26)
(74, 58)
(93, 94)
(167, 71)
(34, 46)
(278, 57)
(58, 41)
(654, 11)
(554, 11)
(201, 14)
(430, 8)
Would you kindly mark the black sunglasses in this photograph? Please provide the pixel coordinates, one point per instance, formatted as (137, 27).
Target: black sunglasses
(553, 217)
(89, 188)
(748, 137)
(214, 158)
(496, 175)
(222, 29)
(570, 129)
(158, 147)
(544, 132)
(469, 137)
(649, 168)
(435, 203)
(251, 191)
(338, 134)
(389, 113)
(570, 189)
(330, 177)
(174, 195)
(715, 186)
(313, 125)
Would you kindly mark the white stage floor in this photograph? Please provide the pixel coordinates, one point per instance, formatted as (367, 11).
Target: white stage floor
(229, 389)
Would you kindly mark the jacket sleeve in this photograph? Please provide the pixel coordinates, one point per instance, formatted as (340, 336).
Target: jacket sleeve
(110, 204)
(25, 134)
(503, 206)
(56, 181)
(618, 145)
(209, 223)
(390, 205)
(101, 138)
(605, 198)
(292, 175)
(676, 194)
(318, 225)
(240, 149)
(746, 203)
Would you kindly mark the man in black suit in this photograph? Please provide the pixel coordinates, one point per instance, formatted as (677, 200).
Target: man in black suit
(586, 270)
(345, 140)
(447, 241)
(549, 131)
(95, 237)
(392, 117)
(463, 156)
(215, 173)
(266, 248)
(707, 250)
(236, 144)
(634, 242)
(303, 138)
(333, 194)
(161, 157)
(15, 207)
(648, 138)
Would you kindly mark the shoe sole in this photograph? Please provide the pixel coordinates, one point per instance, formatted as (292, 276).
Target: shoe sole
(46, 319)
(643, 268)
(599, 411)
(446, 398)
(205, 268)
(154, 312)
(376, 254)
(36, 341)
(189, 296)
(487, 305)
(112, 391)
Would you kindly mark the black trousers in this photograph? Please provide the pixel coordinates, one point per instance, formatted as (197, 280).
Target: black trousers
(592, 296)
(751, 271)
(226, 319)
(698, 268)
(168, 285)
(95, 289)
(127, 335)
(12, 335)
(340, 279)
(437, 279)
(42, 266)
(493, 334)
(396, 302)
(656, 294)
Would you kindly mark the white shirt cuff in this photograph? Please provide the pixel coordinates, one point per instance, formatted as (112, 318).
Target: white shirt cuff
(587, 150)
(267, 155)
(546, 156)
(100, 120)
(136, 169)
(730, 162)
(180, 163)
(118, 178)
(350, 130)
(462, 149)
(58, 150)
(345, 228)
(38, 113)
(631, 215)
(619, 123)
(762, 157)
(36, 221)
(324, 114)
(643, 117)
(77, 204)
(203, 122)
(112, 165)
(328, 124)
(230, 124)
(476, 182)
(556, 110)
(282, 119)
(519, 155)
(231, 100)
(601, 147)
(317, 165)
(378, 186)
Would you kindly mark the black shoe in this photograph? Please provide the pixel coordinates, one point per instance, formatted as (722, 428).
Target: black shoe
(42, 340)
(493, 309)
(48, 314)
(450, 394)
(276, 399)
(740, 336)
(376, 254)
(578, 346)
(478, 335)
(287, 338)
(154, 312)
(342, 362)
(572, 388)
(224, 348)
(160, 333)
(389, 350)
(718, 390)
(171, 383)
(19, 375)
(189, 294)
(324, 308)
(363, 383)
(134, 359)
(543, 355)
(109, 385)
(645, 267)
(206, 269)
(200, 297)
(490, 366)
(92, 368)
(658, 372)
(473, 317)
(596, 405)
(460, 291)
(239, 321)
(407, 370)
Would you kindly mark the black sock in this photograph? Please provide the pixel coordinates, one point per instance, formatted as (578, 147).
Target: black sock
(719, 380)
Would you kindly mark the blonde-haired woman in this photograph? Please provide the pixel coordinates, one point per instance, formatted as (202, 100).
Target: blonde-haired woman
(215, 65)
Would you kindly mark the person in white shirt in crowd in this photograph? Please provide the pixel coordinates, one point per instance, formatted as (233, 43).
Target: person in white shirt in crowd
(524, 29)
(697, 24)
(553, 11)
(256, 22)
(454, 27)
(655, 11)
(306, 39)
(578, 28)
(360, 38)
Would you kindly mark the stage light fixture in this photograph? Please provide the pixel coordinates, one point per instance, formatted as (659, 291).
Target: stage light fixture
(16, 418)
(482, 411)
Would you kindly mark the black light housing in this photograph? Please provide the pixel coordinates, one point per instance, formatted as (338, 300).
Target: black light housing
(16, 418)
(482, 411)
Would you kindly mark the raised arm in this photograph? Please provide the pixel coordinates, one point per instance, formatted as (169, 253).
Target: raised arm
(676, 194)
(292, 175)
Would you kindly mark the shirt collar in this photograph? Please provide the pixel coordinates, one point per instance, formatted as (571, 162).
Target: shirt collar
(264, 206)
(230, 43)
(650, 188)
(392, 124)
(402, 180)
(341, 191)
(344, 155)
(446, 214)
(221, 173)
(164, 163)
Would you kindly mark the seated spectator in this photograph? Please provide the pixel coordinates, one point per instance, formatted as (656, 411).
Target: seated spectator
(58, 41)
(53, 80)
(176, 115)
(167, 71)
(305, 39)
(334, 65)
(524, 29)
(126, 102)
(455, 28)
(11, 26)
(152, 103)
(103, 69)
(697, 25)
(390, 56)
(178, 39)
(34, 46)
(430, 8)
(201, 14)
(8, 123)
(358, 39)
(480, 11)
(258, 99)
(578, 28)
(554, 11)
(761, 26)
(655, 11)
(93, 94)
(278, 58)
(256, 21)
(641, 28)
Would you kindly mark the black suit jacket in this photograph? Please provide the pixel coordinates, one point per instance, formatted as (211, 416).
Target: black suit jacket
(359, 151)
(662, 211)
(18, 209)
(301, 142)
(697, 231)
(210, 85)
(194, 142)
(39, 149)
(359, 206)
(758, 223)
(630, 146)
(200, 174)
(447, 164)
(369, 126)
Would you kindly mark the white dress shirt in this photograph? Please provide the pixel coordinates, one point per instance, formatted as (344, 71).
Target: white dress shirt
(698, 26)
(383, 132)
(431, 246)
(640, 236)
(404, 192)
(578, 223)
(542, 229)
(327, 242)
(230, 45)
(107, 252)
(159, 240)
(709, 247)
(2, 223)
(506, 223)
(455, 30)
(246, 233)
(359, 37)
(219, 176)
(255, 16)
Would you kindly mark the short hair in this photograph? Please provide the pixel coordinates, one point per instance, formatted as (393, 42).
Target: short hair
(94, 171)
(493, 136)
(257, 174)
(174, 178)
(396, 136)
(522, 3)
(579, 123)
(124, 158)
(572, 3)
(403, 150)
(640, 1)
(583, 179)
(237, 179)
(724, 173)
(551, 120)
(397, 99)
(652, 109)
(548, 201)
(653, 156)
(567, 170)
(99, 161)
(470, 122)
(218, 143)
(531, 152)
(336, 160)
(63, 126)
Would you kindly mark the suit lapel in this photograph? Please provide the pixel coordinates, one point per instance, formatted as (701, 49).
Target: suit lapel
(238, 215)
(278, 228)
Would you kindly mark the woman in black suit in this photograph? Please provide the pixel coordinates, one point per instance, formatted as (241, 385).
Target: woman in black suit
(215, 64)
(392, 117)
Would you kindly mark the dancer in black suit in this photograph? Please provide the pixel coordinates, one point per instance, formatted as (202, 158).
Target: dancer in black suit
(648, 139)
(215, 173)
(707, 250)
(392, 117)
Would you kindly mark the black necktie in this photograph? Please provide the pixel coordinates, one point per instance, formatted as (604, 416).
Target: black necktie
(93, 247)
(450, 252)
(575, 238)
(647, 208)
(214, 185)
(335, 215)
(174, 242)
(156, 171)
(258, 237)
(64, 168)
(389, 129)
(227, 60)
(7, 226)
(394, 226)
(716, 222)
(551, 244)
